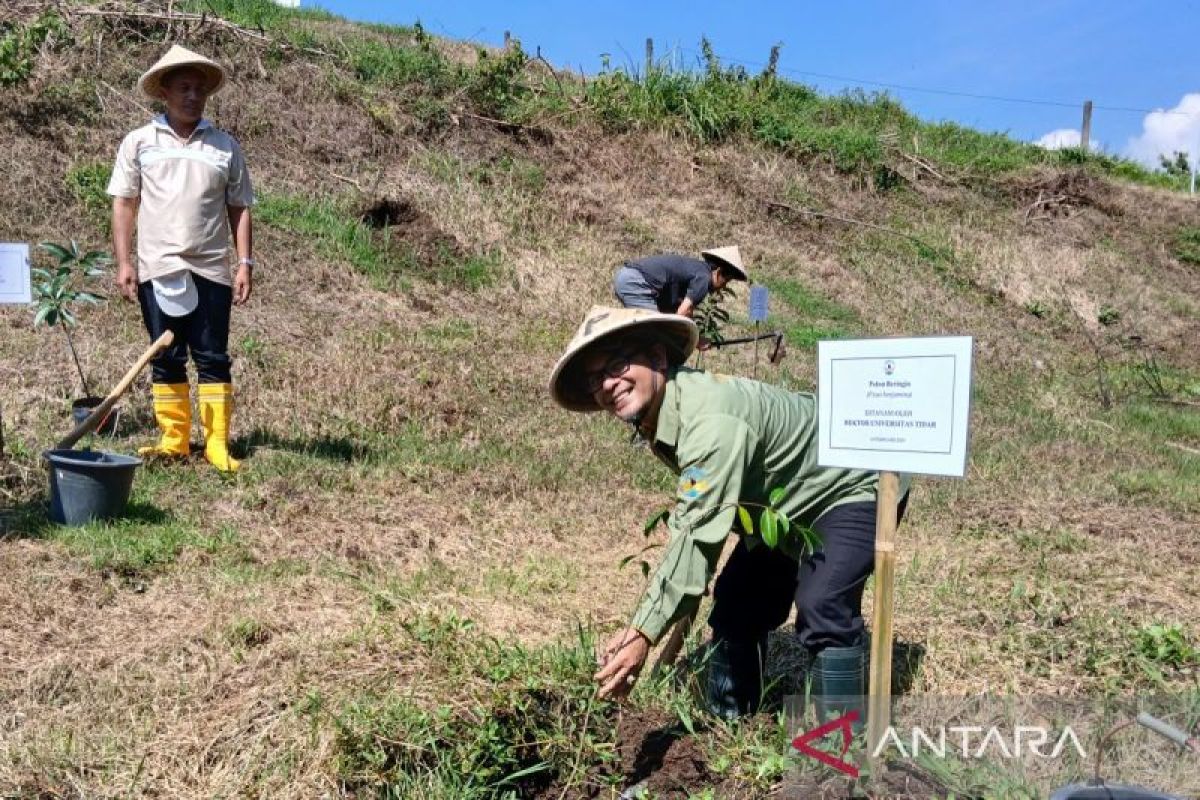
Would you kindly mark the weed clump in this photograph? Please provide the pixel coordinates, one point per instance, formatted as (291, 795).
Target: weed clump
(520, 720)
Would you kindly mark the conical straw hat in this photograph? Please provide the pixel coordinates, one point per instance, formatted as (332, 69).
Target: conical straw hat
(568, 386)
(727, 257)
(151, 81)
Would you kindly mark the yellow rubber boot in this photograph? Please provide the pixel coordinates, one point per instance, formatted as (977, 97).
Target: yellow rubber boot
(216, 407)
(173, 411)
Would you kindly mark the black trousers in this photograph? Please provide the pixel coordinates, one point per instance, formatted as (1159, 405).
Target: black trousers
(204, 332)
(755, 591)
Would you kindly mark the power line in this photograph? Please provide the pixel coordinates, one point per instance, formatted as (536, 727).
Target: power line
(946, 92)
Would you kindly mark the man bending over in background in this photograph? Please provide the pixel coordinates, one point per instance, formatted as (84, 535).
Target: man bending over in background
(675, 284)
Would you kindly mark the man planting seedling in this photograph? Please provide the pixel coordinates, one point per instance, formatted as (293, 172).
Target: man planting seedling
(675, 284)
(185, 184)
(734, 443)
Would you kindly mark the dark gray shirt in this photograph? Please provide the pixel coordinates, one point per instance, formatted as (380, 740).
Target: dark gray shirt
(673, 277)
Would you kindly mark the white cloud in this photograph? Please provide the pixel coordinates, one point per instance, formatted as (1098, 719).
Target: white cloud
(1064, 137)
(1166, 132)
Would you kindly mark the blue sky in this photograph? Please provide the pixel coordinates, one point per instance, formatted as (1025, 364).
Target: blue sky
(1121, 55)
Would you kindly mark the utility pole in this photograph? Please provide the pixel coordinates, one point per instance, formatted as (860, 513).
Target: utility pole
(1085, 138)
(649, 56)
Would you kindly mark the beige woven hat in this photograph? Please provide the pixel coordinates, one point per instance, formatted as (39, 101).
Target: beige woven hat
(567, 384)
(151, 81)
(727, 257)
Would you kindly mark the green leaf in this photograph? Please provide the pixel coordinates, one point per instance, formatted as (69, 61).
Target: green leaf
(785, 524)
(652, 522)
(647, 548)
(38, 272)
(777, 494)
(767, 528)
(645, 569)
(57, 250)
(41, 315)
(812, 539)
(541, 766)
(746, 520)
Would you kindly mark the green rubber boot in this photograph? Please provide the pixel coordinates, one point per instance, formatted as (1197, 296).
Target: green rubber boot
(838, 683)
(735, 677)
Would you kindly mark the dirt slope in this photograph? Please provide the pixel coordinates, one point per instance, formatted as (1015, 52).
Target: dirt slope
(403, 458)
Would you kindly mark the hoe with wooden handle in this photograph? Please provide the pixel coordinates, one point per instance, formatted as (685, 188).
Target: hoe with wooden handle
(100, 411)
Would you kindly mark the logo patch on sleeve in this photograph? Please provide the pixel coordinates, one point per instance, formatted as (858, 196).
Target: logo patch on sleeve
(692, 483)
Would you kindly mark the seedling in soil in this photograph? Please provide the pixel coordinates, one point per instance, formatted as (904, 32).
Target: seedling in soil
(774, 529)
(58, 291)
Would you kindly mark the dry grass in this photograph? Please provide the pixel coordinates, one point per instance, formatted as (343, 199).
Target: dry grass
(404, 459)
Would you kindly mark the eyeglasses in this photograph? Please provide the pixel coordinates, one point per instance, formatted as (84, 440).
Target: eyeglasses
(615, 367)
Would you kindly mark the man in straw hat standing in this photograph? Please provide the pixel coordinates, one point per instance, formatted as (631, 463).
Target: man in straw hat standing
(675, 284)
(730, 441)
(185, 187)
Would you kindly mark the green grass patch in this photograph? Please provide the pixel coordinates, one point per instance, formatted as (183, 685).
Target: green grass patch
(846, 131)
(1171, 472)
(538, 575)
(142, 543)
(257, 14)
(413, 68)
(389, 261)
(88, 183)
(246, 633)
(1161, 422)
(1187, 245)
(1172, 483)
(508, 722)
(819, 318)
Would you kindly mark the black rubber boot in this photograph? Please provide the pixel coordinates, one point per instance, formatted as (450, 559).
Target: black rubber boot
(735, 675)
(839, 682)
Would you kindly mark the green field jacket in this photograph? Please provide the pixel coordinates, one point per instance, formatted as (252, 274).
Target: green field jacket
(730, 441)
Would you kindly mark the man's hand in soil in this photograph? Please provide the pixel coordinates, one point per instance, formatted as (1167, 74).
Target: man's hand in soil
(620, 662)
(127, 281)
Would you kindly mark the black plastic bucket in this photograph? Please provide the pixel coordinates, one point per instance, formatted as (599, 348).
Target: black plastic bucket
(88, 484)
(81, 408)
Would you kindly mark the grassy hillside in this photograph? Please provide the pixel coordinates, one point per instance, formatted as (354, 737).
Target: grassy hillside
(399, 593)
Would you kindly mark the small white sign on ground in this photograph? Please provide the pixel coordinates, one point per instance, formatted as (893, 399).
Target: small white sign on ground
(15, 284)
(901, 405)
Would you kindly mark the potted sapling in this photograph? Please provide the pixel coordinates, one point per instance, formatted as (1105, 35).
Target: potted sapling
(57, 292)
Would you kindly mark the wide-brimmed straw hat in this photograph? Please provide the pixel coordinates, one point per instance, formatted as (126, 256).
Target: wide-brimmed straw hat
(151, 81)
(727, 257)
(568, 384)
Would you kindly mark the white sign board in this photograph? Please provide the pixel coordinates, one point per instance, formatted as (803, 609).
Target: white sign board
(758, 303)
(901, 405)
(14, 273)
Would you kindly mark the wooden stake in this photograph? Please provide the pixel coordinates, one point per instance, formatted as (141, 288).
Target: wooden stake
(649, 57)
(879, 703)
